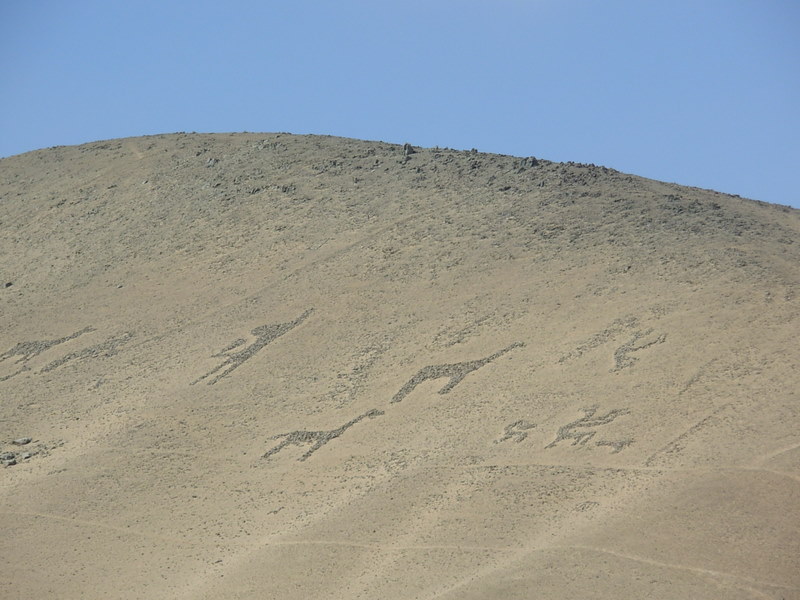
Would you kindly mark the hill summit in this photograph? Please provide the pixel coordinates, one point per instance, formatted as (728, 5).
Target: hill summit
(279, 366)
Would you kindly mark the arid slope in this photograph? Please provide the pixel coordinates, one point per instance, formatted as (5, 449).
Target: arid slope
(276, 366)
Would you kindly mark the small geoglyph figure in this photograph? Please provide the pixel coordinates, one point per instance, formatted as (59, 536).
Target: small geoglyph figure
(517, 431)
(317, 438)
(264, 334)
(583, 430)
(29, 350)
(456, 372)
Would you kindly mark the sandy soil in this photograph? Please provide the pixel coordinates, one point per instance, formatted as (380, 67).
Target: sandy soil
(276, 366)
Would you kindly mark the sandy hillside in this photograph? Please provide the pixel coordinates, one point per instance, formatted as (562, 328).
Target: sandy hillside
(276, 366)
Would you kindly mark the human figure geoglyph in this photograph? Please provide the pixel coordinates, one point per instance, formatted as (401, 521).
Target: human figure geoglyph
(264, 334)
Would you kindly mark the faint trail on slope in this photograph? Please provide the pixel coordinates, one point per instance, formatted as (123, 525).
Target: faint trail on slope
(412, 529)
(485, 571)
(675, 443)
(698, 570)
(166, 452)
(133, 148)
(96, 524)
(769, 456)
(733, 580)
(557, 531)
(614, 468)
(246, 553)
(393, 546)
(765, 470)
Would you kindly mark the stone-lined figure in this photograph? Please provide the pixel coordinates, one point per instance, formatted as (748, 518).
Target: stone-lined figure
(318, 438)
(456, 372)
(28, 350)
(579, 431)
(105, 349)
(622, 355)
(264, 334)
(517, 431)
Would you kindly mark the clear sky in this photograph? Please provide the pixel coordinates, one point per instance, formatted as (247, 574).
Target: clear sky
(698, 92)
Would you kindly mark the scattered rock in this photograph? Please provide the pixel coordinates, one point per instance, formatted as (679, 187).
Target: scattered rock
(7, 456)
(22, 441)
(9, 284)
(527, 163)
(408, 149)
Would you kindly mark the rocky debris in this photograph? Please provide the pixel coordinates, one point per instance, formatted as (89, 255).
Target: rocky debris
(531, 161)
(523, 164)
(9, 458)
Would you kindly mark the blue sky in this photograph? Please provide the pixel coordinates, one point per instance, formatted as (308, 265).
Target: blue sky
(703, 93)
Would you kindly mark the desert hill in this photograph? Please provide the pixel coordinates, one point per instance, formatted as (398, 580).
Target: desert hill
(278, 366)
